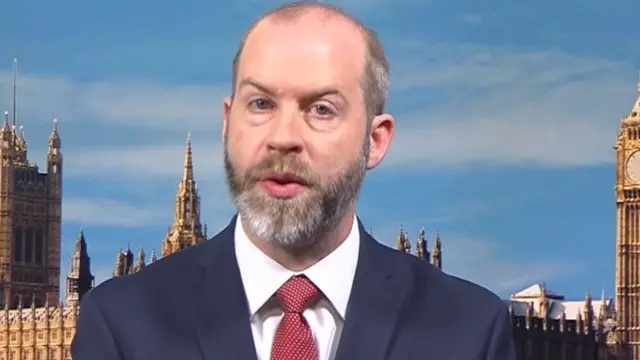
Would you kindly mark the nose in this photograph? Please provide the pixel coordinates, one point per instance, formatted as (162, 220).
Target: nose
(285, 133)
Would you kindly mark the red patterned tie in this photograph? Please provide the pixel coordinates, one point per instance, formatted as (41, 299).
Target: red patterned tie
(293, 339)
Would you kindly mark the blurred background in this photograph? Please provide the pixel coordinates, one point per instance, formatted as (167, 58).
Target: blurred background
(507, 114)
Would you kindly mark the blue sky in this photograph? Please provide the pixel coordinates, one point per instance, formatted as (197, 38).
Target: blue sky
(507, 113)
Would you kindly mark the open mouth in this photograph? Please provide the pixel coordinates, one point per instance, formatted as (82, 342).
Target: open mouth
(282, 185)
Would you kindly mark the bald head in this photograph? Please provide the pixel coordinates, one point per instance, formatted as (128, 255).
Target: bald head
(375, 67)
(309, 87)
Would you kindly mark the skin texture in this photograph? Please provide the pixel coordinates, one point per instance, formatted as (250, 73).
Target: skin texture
(299, 108)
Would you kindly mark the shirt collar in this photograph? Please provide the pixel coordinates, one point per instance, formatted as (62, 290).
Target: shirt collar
(262, 276)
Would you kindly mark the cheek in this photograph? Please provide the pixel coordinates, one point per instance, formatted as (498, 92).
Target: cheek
(243, 147)
(332, 156)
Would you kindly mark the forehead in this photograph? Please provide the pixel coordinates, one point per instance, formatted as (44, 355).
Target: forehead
(312, 50)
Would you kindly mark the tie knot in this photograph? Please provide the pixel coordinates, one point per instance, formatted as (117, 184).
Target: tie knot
(297, 294)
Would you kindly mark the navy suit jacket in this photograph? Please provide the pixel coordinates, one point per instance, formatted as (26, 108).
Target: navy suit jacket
(192, 306)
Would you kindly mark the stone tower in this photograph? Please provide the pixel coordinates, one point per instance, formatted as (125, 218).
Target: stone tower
(436, 254)
(404, 244)
(30, 216)
(627, 194)
(80, 279)
(187, 230)
(421, 246)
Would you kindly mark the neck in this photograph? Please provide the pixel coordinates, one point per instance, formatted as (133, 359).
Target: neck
(303, 258)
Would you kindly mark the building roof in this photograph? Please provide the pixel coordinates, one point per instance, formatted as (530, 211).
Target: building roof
(536, 293)
(51, 313)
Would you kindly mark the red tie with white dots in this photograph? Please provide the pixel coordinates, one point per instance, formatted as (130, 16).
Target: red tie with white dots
(293, 339)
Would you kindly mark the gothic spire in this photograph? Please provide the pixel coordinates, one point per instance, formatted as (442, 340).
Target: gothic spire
(187, 200)
(187, 176)
(54, 137)
(119, 268)
(421, 246)
(80, 278)
(15, 92)
(403, 243)
(5, 122)
(634, 114)
(140, 261)
(187, 229)
(436, 253)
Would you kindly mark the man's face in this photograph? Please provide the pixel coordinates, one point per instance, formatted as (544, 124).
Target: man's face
(295, 134)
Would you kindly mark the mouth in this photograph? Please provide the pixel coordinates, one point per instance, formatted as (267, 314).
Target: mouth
(282, 185)
(283, 178)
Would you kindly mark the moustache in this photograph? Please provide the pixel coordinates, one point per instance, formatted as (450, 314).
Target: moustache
(289, 166)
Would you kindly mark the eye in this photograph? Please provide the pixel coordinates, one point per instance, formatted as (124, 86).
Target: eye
(260, 104)
(322, 110)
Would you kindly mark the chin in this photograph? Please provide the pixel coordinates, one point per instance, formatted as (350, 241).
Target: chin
(265, 195)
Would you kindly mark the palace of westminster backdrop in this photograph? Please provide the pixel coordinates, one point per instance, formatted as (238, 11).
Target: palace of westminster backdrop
(37, 322)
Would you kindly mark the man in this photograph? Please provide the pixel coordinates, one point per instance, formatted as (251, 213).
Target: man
(294, 276)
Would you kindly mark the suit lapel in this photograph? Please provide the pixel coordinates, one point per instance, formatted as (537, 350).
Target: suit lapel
(382, 283)
(222, 313)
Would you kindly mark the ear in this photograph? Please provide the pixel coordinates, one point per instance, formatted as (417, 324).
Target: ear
(226, 112)
(382, 128)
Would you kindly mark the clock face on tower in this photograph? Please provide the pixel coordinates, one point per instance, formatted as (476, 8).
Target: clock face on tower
(633, 167)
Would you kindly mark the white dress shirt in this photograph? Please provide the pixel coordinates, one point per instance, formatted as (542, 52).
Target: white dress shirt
(262, 277)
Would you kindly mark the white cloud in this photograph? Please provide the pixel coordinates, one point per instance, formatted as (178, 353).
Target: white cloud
(143, 162)
(109, 212)
(545, 109)
(483, 262)
(133, 103)
(507, 108)
(462, 66)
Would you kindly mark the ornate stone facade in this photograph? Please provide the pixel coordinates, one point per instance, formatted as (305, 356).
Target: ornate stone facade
(30, 330)
(404, 244)
(627, 195)
(548, 327)
(30, 217)
(34, 323)
(186, 230)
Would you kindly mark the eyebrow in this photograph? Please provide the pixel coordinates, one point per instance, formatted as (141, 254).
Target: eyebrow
(309, 96)
(249, 81)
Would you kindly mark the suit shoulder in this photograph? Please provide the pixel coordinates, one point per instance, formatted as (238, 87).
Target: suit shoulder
(173, 271)
(452, 288)
(474, 293)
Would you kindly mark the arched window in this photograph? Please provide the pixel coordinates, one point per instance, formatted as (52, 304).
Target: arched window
(39, 247)
(28, 245)
(17, 244)
(15, 300)
(26, 301)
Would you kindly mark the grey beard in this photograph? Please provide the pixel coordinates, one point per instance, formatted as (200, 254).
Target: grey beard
(301, 222)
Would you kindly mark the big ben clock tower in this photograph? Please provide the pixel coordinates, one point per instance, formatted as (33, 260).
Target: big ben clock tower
(628, 231)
